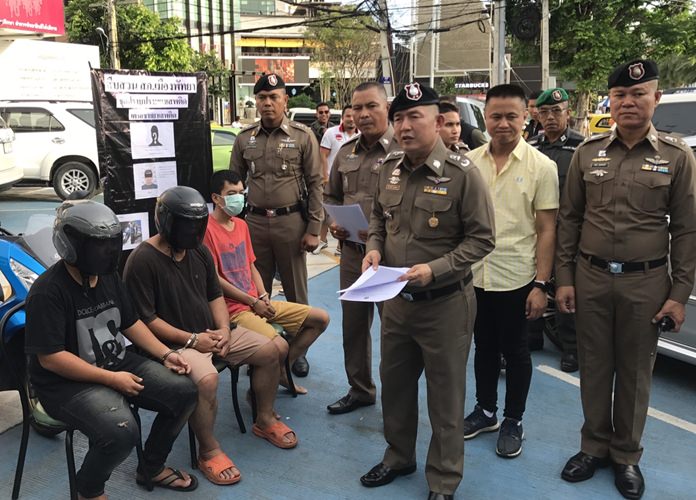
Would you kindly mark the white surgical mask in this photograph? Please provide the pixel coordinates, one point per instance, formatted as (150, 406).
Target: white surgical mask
(234, 204)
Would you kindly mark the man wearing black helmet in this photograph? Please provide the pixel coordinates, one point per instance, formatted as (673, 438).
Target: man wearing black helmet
(78, 314)
(173, 281)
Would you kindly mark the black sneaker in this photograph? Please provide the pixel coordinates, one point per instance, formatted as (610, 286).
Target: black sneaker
(510, 438)
(477, 422)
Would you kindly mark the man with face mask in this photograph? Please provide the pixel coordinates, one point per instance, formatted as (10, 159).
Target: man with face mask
(172, 278)
(78, 316)
(248, 302)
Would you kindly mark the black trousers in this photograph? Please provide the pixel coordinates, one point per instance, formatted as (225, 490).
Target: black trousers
(501, 327)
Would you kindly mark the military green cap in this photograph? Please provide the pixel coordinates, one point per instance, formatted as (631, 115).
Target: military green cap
(552, 96)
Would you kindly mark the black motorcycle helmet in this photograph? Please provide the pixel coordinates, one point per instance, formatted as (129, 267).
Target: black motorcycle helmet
(87, 235)
(181, 216)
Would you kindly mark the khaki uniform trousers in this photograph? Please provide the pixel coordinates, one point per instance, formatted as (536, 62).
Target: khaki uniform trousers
(276, 242)
(434, 335)
(357, 321)
(616, 351)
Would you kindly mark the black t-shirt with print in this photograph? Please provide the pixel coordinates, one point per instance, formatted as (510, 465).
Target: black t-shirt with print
(176, 292)
(61, 317)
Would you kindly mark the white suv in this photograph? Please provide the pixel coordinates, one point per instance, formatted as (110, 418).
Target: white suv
(55, 143)
(10, 173)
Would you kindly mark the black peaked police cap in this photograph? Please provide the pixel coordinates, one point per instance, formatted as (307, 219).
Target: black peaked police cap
(412, 95)
(269, 82)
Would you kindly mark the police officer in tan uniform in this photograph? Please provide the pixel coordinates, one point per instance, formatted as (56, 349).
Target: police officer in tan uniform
(613, 247)
(432, 214)
(353, 179)
(282, 162)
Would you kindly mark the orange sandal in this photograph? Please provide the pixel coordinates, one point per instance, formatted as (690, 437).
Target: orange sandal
(212, 468)
(275, 434)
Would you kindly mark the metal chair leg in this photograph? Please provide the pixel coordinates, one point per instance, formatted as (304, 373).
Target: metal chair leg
(139, 450)
(69, 455)
(22, 451)
(234, 379)
(192, 448)
(252, 394)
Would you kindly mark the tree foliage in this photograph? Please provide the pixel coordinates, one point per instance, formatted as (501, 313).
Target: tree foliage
(144, 39)
(347, 50)
(218, 74)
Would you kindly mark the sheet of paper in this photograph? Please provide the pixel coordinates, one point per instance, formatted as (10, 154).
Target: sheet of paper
(349, 217)
(152, 179)
(135, 228)
(375, 286)
(152, 140)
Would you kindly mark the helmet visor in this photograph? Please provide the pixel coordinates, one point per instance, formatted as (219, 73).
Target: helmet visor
(186, 233)
(98, 256)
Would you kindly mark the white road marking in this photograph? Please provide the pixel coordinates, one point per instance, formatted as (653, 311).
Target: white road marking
(652, 412)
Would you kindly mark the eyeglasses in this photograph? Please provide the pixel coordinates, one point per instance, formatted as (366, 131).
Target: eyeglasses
(323, 112)
(557, 111)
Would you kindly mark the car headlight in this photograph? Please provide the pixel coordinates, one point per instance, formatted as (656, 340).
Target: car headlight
(25, 275)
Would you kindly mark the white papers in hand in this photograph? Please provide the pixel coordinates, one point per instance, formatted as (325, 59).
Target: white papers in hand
(349, 217)
(376, 286)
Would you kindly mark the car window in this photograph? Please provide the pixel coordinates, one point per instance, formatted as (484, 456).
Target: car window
(31, 120)
(306, 118)
(2, 123)
(86, 115)
(223, 138)
(480, 120)
(679, 117)
(603, 123)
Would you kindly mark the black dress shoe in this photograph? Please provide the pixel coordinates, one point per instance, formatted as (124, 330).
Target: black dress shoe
(569, 362)
(380, 475)
(347, 404)
(629, 481)
(440, 496)
(582, 466)
(300, 368)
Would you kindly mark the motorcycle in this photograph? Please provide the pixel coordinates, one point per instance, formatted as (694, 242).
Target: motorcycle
(22, 259)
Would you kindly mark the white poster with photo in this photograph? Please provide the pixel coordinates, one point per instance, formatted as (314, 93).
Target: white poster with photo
(135, 229)
(152, 179)
(152, 140)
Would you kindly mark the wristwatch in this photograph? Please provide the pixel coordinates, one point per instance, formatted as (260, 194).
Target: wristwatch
(544, 285)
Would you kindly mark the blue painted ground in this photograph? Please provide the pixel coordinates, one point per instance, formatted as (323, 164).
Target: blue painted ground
(335, 450)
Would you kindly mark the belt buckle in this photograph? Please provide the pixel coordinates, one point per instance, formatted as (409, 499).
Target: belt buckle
(270, 212)
(407, 296)
(615, 267)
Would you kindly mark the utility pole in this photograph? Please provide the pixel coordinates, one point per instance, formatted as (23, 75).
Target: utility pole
(385, 46)
(500, 18)
(545, 44)
(434, 24)
(113, 35)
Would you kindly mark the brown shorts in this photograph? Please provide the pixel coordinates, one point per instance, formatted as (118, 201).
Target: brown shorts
(289, 315)
(244, 343)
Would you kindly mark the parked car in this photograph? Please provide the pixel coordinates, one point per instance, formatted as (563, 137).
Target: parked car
(676, 112)
(222, 141)
(600, 123)
(10, 173)
(308, 115)
(55, 143)
(471, 111)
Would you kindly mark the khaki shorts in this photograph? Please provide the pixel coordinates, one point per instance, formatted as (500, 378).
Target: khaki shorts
(244, 343)
(289, 315)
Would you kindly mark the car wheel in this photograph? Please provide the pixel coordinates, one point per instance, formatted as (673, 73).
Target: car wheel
(74, 176)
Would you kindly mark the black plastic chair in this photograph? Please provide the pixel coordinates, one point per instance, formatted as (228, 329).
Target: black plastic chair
(17, 372)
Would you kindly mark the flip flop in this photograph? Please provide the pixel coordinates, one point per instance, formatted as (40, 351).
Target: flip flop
(275, 434)
(212, 468)
(166, 481)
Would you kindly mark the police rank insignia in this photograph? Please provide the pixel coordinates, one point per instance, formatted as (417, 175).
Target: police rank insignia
(394, 184)
(437, 180)
(598, 173)
(441, 190)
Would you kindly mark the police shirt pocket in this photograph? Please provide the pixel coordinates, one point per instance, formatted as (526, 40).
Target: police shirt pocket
(349, 177)
(431, 217)
(599, 186)
(253, 158)
(650, 191)
(390, 201)
(288, 160)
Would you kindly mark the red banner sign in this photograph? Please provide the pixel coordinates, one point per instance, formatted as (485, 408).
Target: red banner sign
(36, 16)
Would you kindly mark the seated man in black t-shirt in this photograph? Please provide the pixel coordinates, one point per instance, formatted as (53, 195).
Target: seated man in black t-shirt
(173, 281)
(78, 314)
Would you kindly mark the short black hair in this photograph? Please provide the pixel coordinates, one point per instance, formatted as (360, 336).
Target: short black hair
(506, 90)
(322, 104)
(448, 98)
(371, 85)
(217, 181)
(345, 108)
(534, 94)
(447, 107)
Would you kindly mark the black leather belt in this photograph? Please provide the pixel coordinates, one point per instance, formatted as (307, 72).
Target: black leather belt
(274, 212)
(437, 292)
(360, 247)
(615, 267)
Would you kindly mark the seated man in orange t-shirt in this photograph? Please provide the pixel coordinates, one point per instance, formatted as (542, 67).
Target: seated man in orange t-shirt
(249, 304)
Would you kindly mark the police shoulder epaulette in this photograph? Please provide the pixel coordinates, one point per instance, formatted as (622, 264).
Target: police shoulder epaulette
(596, 137)
(536, 140)
(458, 160)
(300, 126)
(673, 141)
(351, 140)
(250, 127)
(394, 155)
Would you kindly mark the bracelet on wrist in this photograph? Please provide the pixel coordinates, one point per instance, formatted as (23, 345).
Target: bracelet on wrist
(190, 341)
(166, 354)
(263, 295)
(255, 302)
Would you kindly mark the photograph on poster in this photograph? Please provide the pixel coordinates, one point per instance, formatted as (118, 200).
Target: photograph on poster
(152, 140)
(152, 179)
(135, 228)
